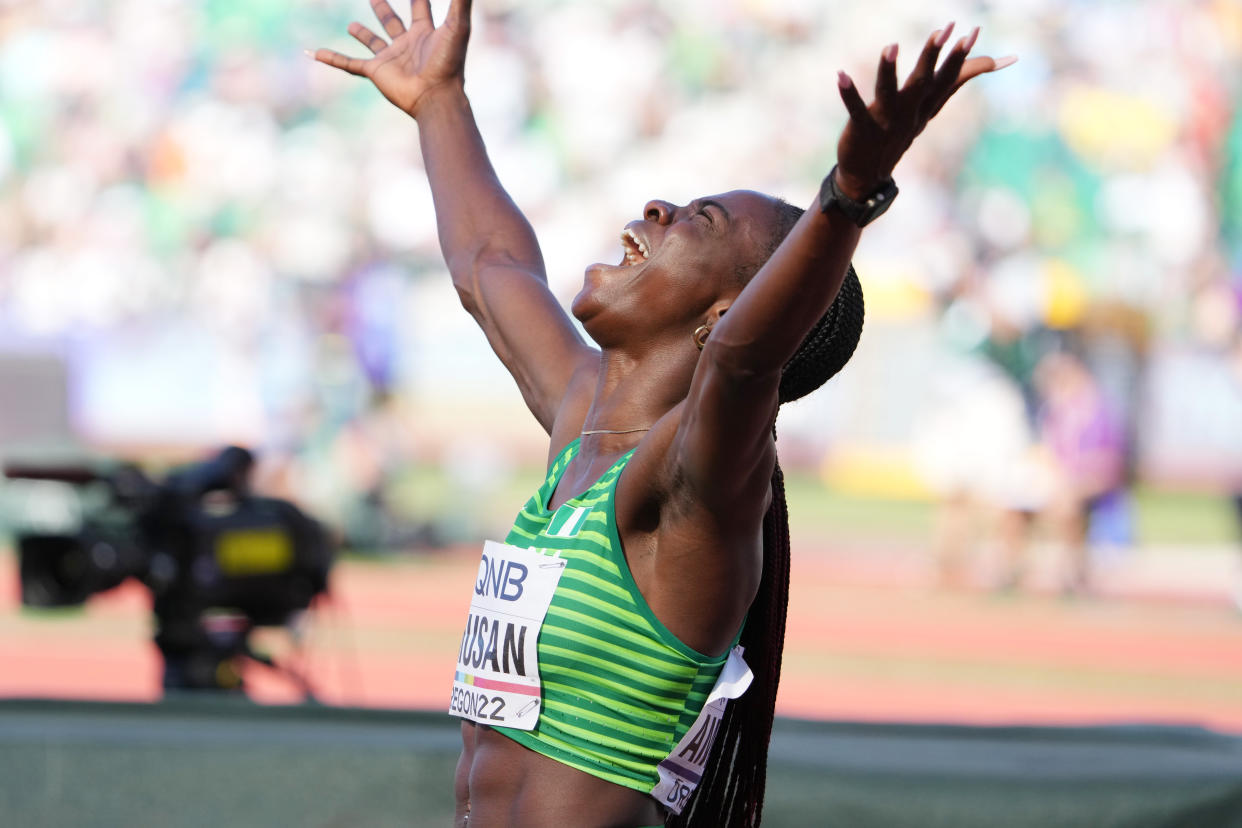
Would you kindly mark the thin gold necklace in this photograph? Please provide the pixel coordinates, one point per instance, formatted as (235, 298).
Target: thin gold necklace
(611, 431)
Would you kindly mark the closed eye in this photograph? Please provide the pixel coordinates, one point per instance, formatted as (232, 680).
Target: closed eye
(702, 206)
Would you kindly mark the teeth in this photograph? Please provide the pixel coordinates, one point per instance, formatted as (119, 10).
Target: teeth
(642, 254)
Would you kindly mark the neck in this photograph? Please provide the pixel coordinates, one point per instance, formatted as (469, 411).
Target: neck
(632, 394)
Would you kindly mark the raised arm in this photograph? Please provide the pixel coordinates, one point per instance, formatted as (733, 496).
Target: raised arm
(490, 248)
(724, 434)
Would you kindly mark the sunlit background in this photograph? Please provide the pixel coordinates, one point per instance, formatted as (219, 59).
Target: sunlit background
(207, 238)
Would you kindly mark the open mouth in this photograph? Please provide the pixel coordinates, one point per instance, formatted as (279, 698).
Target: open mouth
(635, 249)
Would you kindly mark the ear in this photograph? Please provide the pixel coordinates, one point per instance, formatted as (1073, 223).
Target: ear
(716, 311)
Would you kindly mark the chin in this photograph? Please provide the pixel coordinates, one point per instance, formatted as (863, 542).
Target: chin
(590, 309)
(595, 280)
(578, 308)
(584, 304)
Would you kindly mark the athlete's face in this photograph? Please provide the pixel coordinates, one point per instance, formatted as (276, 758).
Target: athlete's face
(676, 261)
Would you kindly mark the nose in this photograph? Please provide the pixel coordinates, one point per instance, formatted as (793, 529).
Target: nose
(661, 212)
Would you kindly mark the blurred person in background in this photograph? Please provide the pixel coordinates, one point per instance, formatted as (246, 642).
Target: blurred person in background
(975, 444)
(645, 576)
(1084, 441)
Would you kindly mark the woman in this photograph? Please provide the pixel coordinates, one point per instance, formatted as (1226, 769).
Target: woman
(637, 562)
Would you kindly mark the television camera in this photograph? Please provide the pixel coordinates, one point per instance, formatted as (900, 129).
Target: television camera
(218, 560)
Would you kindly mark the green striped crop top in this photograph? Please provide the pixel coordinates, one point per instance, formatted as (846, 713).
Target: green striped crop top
(619, 689)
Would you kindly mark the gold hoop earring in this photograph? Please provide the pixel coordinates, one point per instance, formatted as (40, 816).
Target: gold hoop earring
(700, 336)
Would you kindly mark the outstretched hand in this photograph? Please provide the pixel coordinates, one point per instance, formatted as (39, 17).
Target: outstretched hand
(876, 136)
(418, 60)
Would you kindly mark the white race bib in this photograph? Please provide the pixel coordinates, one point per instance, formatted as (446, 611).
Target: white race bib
(682, 769)
(497, 681)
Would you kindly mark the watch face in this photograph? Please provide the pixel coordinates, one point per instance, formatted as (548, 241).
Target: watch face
(876, 205)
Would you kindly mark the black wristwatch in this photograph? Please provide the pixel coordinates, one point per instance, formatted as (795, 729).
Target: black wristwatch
(862, 212)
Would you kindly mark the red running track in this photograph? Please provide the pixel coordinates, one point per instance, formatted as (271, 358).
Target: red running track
(859, 646)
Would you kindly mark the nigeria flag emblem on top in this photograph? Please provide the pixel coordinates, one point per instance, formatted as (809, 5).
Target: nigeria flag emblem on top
(567, 521)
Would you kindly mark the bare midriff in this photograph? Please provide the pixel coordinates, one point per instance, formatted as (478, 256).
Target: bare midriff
(500, 784)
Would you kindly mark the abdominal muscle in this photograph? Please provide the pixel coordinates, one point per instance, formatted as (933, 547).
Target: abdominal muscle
(501, 784)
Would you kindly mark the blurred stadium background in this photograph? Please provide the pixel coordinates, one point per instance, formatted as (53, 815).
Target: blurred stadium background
(206, 238)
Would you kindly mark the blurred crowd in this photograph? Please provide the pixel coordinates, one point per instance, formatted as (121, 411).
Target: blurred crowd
(225, 241)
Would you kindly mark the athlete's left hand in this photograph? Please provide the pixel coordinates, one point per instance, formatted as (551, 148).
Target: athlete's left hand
(876, 136)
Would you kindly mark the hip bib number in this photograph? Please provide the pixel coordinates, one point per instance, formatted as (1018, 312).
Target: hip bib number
(681, 771)
(497, 681)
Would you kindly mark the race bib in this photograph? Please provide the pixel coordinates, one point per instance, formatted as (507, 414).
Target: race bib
(497, 681)
(681, 771)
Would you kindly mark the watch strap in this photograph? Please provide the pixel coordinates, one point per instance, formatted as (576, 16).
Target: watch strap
(862, 212)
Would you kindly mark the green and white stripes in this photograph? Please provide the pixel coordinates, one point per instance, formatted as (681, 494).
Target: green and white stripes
(619, 690)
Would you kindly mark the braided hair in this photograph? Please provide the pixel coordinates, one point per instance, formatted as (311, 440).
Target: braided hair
(730, 794)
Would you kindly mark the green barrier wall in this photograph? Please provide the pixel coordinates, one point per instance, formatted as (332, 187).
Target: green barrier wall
(204, 762)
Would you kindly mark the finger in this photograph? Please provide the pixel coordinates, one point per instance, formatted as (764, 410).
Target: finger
(977, 66)
(420, 12)
(946, 76)
(925, 70)
(388, 18)
(971, 69)
(458, 16)
(368, 38)
(853, 101)
(354, 66)
(886, 80)
(970, 40)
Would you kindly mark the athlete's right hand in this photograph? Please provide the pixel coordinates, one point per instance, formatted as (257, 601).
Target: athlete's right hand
(418, 61)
